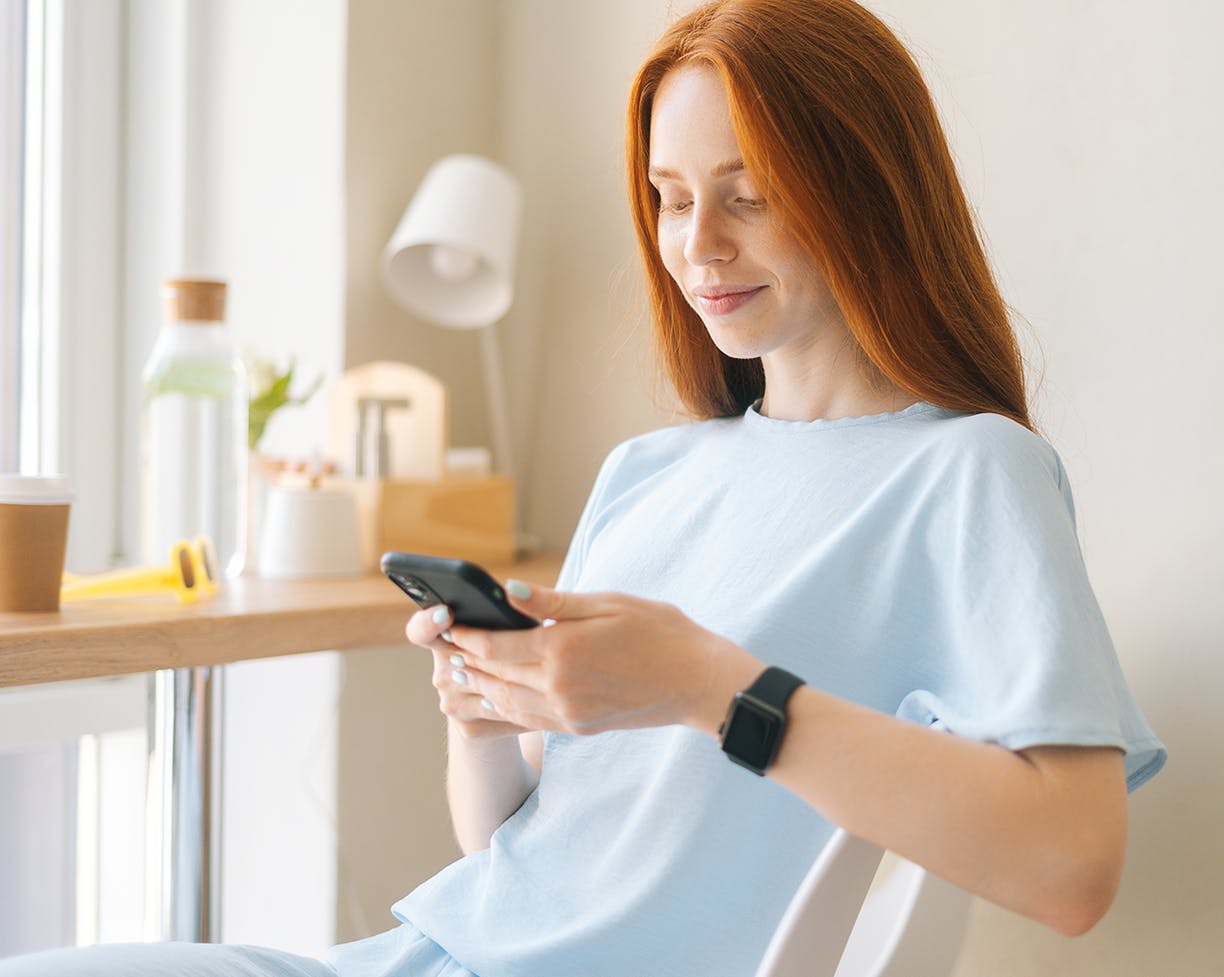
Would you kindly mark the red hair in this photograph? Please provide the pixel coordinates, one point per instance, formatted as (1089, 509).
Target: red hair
(838, 128)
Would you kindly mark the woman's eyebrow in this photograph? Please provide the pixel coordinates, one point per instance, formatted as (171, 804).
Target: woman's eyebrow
(722, 169)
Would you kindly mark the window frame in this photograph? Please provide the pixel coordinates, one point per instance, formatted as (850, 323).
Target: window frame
(72, 204)
(12, 156)
(62, 177)
(87, 289)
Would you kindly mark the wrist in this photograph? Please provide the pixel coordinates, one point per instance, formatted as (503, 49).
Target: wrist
(478, 742)
(730, 670)
(757, 719)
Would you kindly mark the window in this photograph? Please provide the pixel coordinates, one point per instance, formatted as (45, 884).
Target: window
(72, 754)
(32, 93)
(59, 265)
(12, 149)
(158, 160)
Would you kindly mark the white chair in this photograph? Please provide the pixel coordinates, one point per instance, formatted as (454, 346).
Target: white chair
(908, 924)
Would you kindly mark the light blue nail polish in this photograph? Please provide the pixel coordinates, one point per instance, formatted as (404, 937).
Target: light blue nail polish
(516, 588)
(457, 661)
(446, 636)
(459, 676)
(441, 615)
(488, 705)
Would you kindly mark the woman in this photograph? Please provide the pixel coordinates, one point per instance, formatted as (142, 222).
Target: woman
(861, 531)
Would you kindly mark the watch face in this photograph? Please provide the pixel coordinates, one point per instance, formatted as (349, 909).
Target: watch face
(752, 732)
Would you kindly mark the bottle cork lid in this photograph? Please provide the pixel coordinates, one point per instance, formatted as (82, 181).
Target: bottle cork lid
(193, 300)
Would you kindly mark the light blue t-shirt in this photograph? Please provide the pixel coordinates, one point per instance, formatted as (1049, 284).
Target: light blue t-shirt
(923, 563)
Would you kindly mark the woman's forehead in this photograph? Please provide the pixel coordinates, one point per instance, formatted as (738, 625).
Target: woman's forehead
(690, 124)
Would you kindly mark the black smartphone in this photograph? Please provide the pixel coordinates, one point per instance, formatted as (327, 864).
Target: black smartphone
(474, 597)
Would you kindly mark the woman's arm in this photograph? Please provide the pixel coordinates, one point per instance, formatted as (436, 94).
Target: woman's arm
(491, 765)
(487, 780)
(1041, 831)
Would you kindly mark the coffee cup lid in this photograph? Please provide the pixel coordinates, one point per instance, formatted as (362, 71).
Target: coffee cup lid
(34, 489)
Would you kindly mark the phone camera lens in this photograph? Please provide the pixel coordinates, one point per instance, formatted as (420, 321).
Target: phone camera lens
(412, 587)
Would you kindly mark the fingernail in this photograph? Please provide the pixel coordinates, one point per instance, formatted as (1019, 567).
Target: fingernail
(516, 588)
(442, 615)
(446, 636)
(460, 676)
(488, 705)
(457, 661)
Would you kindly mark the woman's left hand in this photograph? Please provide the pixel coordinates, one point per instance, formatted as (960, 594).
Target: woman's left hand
(601, 661)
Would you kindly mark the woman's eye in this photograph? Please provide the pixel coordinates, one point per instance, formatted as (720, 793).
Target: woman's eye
(674, 206)
(754, 203)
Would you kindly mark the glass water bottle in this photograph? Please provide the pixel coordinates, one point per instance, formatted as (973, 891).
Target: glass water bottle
(194, 429)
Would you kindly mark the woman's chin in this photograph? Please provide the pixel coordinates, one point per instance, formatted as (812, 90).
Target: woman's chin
(736, 347)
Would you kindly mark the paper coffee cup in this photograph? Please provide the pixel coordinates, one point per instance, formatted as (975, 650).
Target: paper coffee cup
(33, 540)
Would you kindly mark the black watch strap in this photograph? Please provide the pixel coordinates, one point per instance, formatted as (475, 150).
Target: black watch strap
(756, 720)
(775, 686)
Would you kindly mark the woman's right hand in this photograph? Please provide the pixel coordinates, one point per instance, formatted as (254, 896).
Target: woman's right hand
(469, 714)
(490, 768)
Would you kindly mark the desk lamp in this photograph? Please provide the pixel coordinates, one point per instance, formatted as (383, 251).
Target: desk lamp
(451, 261)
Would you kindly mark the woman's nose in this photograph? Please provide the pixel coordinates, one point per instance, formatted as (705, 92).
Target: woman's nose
(709, 238)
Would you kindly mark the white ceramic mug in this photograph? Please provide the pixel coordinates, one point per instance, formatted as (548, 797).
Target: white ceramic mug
(309, 532)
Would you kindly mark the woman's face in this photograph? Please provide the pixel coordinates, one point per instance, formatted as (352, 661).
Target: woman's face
(756, 290)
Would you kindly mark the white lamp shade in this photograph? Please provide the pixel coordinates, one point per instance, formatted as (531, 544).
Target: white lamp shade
(451, 258)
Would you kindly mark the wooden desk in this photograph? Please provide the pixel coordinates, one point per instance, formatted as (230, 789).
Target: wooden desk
(184, 644)
(247, 618)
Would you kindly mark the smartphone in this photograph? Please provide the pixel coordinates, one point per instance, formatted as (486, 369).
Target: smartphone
(474, 597)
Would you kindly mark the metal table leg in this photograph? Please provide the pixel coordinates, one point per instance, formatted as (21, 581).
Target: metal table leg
(182, 882)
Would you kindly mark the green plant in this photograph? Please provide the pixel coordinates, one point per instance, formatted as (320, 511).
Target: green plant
(269, 393)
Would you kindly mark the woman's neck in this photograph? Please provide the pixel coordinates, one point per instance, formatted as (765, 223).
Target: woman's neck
(843, 385)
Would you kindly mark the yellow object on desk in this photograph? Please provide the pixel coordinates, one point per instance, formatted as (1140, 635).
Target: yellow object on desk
(190, 574)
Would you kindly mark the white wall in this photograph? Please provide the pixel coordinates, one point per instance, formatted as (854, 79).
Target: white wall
(271, 167)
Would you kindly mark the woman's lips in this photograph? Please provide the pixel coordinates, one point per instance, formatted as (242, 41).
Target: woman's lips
(723, 300)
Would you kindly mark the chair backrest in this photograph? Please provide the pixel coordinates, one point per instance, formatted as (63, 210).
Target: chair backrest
(909, 924)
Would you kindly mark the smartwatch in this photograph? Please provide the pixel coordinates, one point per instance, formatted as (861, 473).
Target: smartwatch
(752, 732)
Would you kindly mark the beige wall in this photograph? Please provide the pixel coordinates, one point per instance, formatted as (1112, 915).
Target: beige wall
(423, 79)
(1090, 143)
(584, 381)
(490, 76)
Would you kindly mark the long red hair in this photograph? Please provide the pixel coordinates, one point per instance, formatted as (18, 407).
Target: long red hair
(838, 128)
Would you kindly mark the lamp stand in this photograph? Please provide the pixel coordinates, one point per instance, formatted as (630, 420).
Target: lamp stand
(495, 391)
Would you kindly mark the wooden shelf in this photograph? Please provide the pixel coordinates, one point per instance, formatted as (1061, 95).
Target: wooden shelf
(248, 618)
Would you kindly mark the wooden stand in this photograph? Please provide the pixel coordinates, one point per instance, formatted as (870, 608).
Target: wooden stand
(468, 518)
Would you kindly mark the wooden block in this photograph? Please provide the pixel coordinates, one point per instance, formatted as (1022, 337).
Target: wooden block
(467, 518)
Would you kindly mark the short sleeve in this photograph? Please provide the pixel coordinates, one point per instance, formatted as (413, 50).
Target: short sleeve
(575, 555)
(1026, 657)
